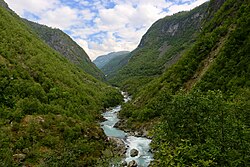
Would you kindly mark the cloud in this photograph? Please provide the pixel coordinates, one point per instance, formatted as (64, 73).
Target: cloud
(36, 6)
(62, 17)
(101, 26)
(87, 14)
(184, 7)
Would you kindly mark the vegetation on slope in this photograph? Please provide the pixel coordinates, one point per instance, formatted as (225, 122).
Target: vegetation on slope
(202, 102)
(160, 48)
(62, 43)
(49, 108)
(202, 129)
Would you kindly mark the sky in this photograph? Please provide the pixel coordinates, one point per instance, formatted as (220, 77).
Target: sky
(101, 26)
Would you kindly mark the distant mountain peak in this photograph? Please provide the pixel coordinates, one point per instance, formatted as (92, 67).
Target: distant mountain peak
(102, 60)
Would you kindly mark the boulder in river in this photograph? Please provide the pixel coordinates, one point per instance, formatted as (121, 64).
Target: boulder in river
(134, 153)
(124, 163)
(132, 163)
(120, 147)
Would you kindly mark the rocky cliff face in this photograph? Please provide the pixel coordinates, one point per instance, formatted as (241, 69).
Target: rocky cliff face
(172, 27)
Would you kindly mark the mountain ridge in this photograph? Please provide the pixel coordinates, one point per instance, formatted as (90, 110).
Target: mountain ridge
(160, 47)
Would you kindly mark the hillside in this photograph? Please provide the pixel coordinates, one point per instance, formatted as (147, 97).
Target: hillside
(200, 106)
(62, 43)
(103, 60)
(161, 47)
(49, 107)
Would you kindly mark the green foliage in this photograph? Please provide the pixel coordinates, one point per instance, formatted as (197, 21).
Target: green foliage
(112, 98)
(232, 69)
(52, 140)
(202, 130)
(49, 108)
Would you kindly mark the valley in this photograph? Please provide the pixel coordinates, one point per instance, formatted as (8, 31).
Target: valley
(180, 98)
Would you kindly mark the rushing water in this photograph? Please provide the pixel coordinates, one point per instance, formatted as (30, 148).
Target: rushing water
(139, 143)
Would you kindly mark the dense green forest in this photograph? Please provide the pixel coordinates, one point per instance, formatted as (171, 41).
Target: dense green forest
(201, 104)
(49, 108)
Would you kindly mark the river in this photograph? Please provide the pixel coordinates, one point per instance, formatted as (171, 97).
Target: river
(141, 144)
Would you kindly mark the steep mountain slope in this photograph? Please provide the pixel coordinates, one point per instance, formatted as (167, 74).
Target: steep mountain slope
(161, 47)
(201, 103)
(101, 61)
(48, 106)
(62, 43)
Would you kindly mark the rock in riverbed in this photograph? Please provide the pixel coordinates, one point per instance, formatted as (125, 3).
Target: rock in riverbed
(132, 164)
(134, 153)
(124, 163)
(120, 147)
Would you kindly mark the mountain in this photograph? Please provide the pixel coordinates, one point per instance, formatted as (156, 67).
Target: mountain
(104, 59)
(160, 48)
(198, 109)
(49, 107)
(115, 64)
(62, 43)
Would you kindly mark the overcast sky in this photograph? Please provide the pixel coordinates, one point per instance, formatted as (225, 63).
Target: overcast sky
(101, 26)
